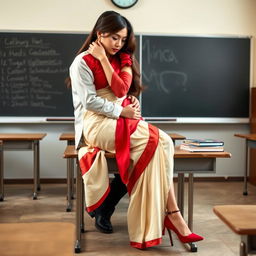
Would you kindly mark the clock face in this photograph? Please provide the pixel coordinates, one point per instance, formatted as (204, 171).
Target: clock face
(124, 3)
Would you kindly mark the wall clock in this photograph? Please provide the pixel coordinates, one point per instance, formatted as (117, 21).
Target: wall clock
(124, 3)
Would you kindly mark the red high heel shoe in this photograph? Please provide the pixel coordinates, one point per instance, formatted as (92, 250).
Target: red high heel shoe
(184, 239)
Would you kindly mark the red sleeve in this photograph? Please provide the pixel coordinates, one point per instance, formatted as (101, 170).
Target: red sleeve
(125, 59)
(90, 61)
(120, 84)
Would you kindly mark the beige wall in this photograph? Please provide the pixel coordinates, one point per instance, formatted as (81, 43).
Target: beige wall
(225, 17)
(228, 17)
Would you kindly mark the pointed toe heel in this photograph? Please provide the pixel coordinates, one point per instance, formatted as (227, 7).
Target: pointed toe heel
(184, 239)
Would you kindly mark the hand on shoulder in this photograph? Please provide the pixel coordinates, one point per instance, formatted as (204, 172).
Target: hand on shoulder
(97, 50)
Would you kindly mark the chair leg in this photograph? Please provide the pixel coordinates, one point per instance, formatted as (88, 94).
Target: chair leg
(78, 209)
(82, 207)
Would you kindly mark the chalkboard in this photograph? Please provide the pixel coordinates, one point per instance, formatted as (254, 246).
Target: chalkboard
(33, 69)
(195, 76)
(184, 76)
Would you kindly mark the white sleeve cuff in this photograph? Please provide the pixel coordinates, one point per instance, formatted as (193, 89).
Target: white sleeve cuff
(117, 111)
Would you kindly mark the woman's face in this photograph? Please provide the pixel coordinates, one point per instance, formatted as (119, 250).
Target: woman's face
(113, 43)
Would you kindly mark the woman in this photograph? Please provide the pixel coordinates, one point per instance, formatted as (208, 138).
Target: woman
(103, 74)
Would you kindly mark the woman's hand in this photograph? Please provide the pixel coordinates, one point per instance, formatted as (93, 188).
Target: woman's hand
(130, 111)
(135, 102)
(97, 50)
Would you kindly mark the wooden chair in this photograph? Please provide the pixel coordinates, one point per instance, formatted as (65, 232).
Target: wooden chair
(242, 220)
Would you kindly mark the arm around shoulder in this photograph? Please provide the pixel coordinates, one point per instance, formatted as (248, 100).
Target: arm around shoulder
(83, 86)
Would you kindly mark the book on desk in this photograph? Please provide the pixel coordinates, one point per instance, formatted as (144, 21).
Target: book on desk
(202, 145)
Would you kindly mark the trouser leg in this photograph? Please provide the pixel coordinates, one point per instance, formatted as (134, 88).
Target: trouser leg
(117, 191)
(103, 213)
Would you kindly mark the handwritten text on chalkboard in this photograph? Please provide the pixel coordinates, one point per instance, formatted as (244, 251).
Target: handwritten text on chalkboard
(33, 67)
(24, 64)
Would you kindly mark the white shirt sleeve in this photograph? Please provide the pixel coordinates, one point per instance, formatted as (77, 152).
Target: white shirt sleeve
(82, 81)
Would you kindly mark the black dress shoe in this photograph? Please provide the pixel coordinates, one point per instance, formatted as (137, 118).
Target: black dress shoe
(103, 224)
(102, 221)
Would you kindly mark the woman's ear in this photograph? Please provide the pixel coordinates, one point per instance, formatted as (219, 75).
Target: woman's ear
(99, 35)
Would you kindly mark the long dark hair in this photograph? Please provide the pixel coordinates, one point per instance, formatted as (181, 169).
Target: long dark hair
(111, 22)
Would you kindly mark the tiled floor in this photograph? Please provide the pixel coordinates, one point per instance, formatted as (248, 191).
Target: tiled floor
(51, 204)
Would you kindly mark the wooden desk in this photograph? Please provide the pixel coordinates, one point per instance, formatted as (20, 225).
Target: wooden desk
(21, 141)
(37, 238)
(70, 138)
(242, 220)
(250, 142)
(184, 162)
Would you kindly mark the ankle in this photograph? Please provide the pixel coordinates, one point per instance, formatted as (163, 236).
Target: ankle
(177, 217)
(172, 212)
(179, 223)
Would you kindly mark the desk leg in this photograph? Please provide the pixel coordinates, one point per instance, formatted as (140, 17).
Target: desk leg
(193, 247)
(69, 204)
(78, 208)
(245, 193)
(190, 200)
(36, 167)
(71, 166)
(242, 249)
(181, 181)
(181, 192)
(247, 245)
(1, 173)
(72, 178)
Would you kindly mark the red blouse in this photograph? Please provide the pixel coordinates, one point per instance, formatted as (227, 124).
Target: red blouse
(121, 80)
